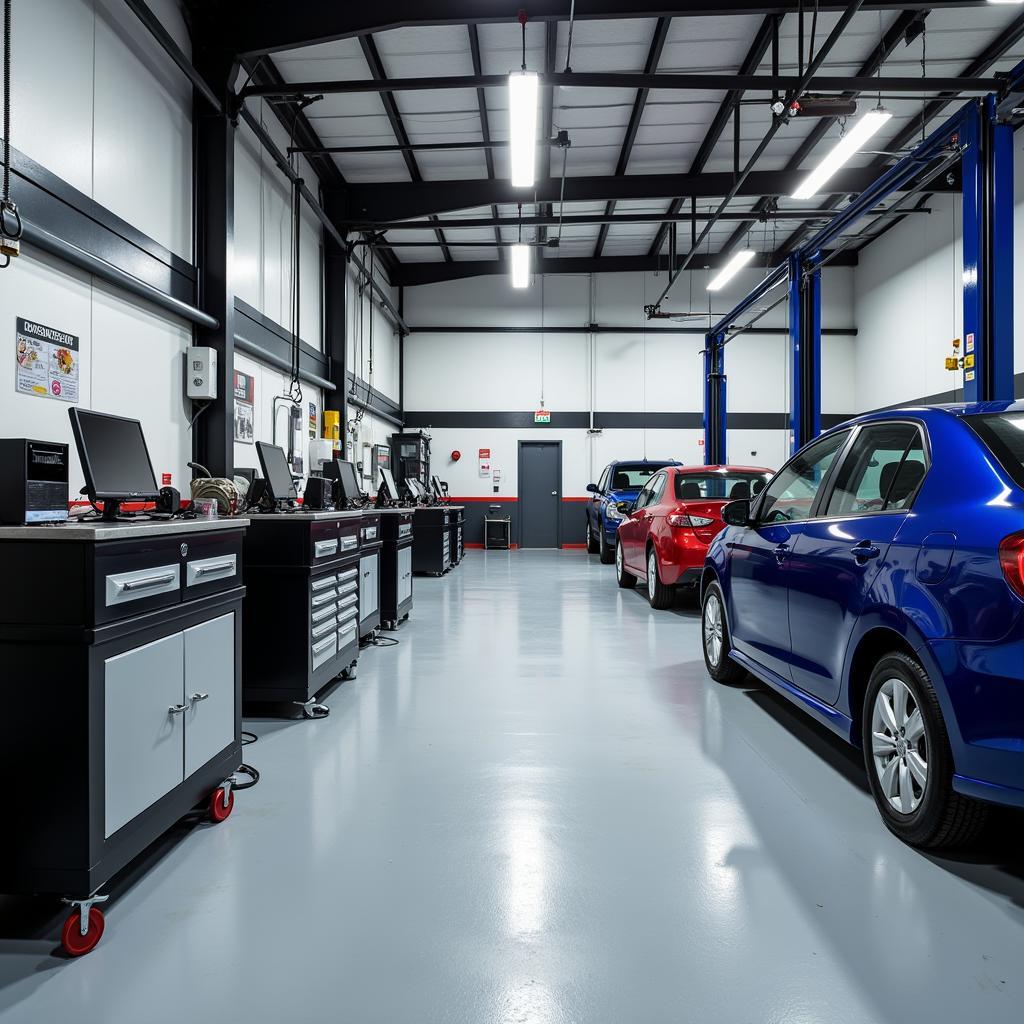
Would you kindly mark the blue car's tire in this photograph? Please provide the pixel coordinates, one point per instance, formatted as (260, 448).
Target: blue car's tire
(592, 544)
(909, 760)
(715, 640)
(605, 549)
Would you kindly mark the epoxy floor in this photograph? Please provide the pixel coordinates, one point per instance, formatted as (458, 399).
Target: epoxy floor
(538, 808)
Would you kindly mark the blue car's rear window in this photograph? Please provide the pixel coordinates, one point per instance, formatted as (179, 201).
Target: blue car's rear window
(1003, 432)
(631, 477)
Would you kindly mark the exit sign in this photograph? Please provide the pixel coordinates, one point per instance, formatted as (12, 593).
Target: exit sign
(542, 416)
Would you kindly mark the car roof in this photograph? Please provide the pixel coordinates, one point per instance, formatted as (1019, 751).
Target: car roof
(723, 469)
(933, 412)
(660, 463)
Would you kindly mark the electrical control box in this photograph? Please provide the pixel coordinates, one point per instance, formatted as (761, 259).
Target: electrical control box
(200, 373)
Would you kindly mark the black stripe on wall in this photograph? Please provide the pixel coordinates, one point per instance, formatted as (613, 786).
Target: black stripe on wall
(608, 420)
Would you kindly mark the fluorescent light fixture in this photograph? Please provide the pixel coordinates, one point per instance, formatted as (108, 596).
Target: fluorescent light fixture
(864, 127)
(730, 270)
(520, 265)
(522, 121)
(1006, 1)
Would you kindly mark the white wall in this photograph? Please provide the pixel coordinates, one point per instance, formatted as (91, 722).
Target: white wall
(97, 102)
(609, 372)
(108, 112)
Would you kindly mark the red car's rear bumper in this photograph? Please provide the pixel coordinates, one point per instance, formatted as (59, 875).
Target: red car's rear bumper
(681, 554)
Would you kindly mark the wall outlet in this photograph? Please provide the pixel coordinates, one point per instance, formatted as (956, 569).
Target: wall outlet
(200, 373)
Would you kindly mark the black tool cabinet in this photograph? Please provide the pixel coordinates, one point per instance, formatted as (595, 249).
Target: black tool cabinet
(456, 523)
(301, 623)
(121, 653)
(369, 573)
(431, 549)
(395, 565)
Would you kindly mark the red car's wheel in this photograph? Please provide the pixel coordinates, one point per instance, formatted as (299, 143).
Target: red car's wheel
(71, 937)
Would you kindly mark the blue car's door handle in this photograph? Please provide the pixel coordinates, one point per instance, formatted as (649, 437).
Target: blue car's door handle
(864, 551)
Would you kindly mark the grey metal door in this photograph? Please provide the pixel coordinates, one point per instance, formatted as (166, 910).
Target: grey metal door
(540, 494)
(369, 587)
(209, 690)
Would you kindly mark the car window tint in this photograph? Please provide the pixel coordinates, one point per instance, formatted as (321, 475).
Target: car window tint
(602, 484)
(641, 498)
(657, 489)
(1003, 433)
(628, 476)
(883, 470)
(792, 491)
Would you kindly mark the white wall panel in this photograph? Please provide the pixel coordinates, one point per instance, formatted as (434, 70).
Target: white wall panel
(51, 99)
(142, 130)
(248, 256)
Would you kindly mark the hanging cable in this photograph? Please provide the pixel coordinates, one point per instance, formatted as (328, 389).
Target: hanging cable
(522, 21)
(814, 29)
(10, 219)
(924, 74)
(568, 47)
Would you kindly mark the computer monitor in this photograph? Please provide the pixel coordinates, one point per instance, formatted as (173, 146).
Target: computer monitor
(276, 472)
(344, 475)
(387, 484)
(115, 459)
(416, 489)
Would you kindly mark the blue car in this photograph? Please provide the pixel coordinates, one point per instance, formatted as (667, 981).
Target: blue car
(878, 583)
(620, 481)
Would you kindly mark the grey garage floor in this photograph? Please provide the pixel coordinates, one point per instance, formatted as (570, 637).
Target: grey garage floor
(537, 808)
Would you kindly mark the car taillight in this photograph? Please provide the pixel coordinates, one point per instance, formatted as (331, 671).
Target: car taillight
(678, 519)
(1011, 561)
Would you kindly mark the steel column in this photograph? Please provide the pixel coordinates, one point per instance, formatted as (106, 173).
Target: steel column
(336, 326)
(715, 401)
(973, 245)
(805, 344)
(999, 256)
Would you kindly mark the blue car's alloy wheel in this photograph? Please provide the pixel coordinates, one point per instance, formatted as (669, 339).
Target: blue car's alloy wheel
(909, 759)
(714, 630)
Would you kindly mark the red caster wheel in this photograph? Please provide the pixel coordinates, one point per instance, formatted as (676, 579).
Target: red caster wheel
(219, 811)
(71, 937)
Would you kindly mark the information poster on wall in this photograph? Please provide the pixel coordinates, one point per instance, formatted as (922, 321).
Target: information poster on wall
(245, 401)
(312, 419)
(48, 361)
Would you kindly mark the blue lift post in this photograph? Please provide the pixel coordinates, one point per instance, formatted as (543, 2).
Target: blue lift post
(714, 400)
(979, 135)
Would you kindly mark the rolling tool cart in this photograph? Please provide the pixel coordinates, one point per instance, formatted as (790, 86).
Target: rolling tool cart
(121, 644)
(302, 607)
(395, 566)
(497, 531)
(431, 548)
(456, 522)
(369, 574)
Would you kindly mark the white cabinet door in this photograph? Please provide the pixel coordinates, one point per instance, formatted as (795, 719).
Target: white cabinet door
(404, 573)
(209, 690)
(142, 735)
(369, 592)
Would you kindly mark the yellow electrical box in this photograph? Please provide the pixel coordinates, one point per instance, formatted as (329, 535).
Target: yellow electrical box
(332, 424)
(969, 362)
(956, 343)
(952, 363)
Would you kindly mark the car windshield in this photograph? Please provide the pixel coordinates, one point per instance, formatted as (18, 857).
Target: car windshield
(631, 477)
(723, 486)
(1004, 434)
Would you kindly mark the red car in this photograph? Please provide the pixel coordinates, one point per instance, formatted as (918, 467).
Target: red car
(673, 520)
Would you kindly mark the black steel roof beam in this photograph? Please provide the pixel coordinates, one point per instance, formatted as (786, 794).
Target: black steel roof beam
(743, 82)
(547, 111)
(403, 200)
(885, 48)
(593, 219)
(635, 117)
(485, 127)
(369, 48)
(982, 62)
(751, 61)
(257, 26)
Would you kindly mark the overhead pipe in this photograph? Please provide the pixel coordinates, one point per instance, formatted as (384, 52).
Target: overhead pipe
(264, 355)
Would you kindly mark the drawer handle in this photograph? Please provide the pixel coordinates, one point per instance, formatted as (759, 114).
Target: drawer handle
(347, 543)
(205, 570)
(197, 697)
(327, 581)
(322, 614)
(321, 599)
(325, 628)
(147, 581)
(347, 628)
(177, 709)
(348, 574)
(324, 547)
(323, 645)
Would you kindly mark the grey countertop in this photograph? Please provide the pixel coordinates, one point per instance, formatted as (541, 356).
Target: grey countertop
(94, 530)
(301, 517)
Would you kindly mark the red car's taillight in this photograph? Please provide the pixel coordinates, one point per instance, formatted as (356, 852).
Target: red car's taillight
(678, 519)
(1011, 561)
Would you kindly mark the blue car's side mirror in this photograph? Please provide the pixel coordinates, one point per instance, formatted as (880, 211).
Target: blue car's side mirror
(736, 513)
(593, 488)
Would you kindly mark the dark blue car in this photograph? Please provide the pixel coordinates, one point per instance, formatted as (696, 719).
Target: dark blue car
(620, 481)
(878, 583)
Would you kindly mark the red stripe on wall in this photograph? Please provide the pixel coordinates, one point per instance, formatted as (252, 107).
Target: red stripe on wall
(497, 498)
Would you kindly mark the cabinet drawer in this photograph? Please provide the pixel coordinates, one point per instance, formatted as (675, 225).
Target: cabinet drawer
(349, 543)
(347, 615)
(348, 588)
(347, 632)
(325, 548)
(321, 583)
(324, 613)
(348, 602)
(348, 574)
(323, 597)
(123, 587)
(323, 628)
(207, 570)
(369, 533)
(322, 651)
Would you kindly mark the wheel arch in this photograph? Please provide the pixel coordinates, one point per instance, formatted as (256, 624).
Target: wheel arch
(873, 644)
